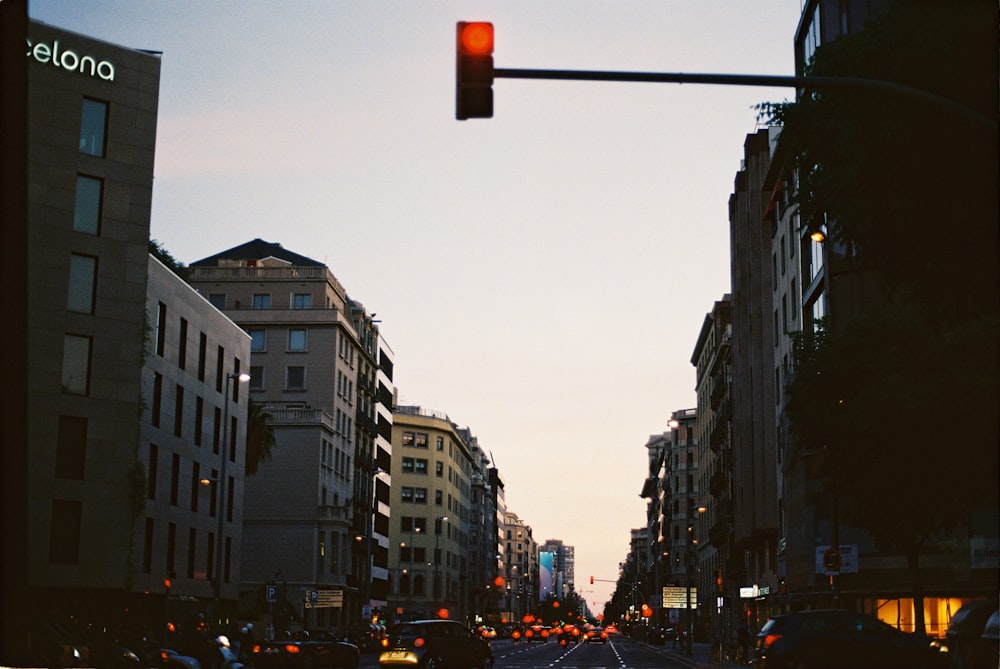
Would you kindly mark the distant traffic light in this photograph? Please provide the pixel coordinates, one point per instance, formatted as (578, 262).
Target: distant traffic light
(474, 70)
(592, 580)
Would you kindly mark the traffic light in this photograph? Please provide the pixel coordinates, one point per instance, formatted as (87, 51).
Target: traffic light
(718, 582)
(592, 580)
(474, 70)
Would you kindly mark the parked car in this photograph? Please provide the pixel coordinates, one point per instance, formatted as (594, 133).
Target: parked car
(837, 638)
(596, 635)
(435, 644)
(969, 643)
(306, 649)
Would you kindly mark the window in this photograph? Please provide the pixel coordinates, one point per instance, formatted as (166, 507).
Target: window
(202, 351)
(93, 127)
(161, 328)
(192, 545)
(440, 443)
(71, 448)
(195, 485)
(157, 398)
(217, 300)
(421, 440)
(175, 478)
(179, 411)
(258, 339)
(296, 340)
(182, 345)
(407, 465)
(76, 365)
(256, 377)
(407, 439)
(199, 420)
(261, 301)
(82, 283)
(420, 495)
(147, 548)
(406, 494)
(295, 377)
(439, 468)
(301, 301)
(87, 207)
(64, 537)
(420, 466)
(438, 497)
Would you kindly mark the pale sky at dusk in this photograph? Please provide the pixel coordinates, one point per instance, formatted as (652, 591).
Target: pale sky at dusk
(541, 276)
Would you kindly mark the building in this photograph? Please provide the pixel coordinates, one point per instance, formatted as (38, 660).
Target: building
(92, 112)
(432, 474)
(194, 449)
(718, 561)
(521, 551)
(656, 493)
(563, 566)
(316, 520)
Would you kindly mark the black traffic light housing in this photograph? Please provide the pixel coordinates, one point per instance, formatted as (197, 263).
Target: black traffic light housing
(474, 70)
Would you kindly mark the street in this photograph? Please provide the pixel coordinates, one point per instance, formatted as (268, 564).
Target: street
(620, 653)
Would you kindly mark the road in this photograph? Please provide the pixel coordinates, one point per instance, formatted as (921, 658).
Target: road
(620, 653)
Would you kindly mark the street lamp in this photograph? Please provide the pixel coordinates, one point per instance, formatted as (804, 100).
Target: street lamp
(241, 377)
(438, 523)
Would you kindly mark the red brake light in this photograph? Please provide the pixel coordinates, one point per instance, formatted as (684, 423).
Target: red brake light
(291, 648)
(385, 643)
(418, 642)
(769, 639)
(256, 648)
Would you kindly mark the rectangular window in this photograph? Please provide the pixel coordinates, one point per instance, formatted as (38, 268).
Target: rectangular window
(420, 466)
(192, 546)
(407, 439)
(297, 340)
(407, 465)
(261, 301)
(258, 339)
(87, 206)
(295, 377)
(71, 448)
(794, 297)
(64, 537)
(154, 467)
(217, 300)
(216, 429)
(161, 328)
(76, 365)
(202, 353)
(220, 363)
(179, 412)
(182, 345)
(301, 301)
(171, 547)
(147, 548)
(82, 284)
(195, 485)
(420, 495)
(421, 440)
(157, 398)
(175, 478)
(440, 443)
(438, 497)
(199, 420)
(406, 494)
(256, 377)
(93, 127)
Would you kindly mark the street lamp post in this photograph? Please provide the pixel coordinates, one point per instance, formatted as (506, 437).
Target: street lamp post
(438, 524)
(224, 453)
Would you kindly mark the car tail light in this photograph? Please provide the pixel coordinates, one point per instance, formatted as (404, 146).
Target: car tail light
(256, 648)
(418, 642)
(604, 635)
(385, 643)
(770, 639)
(529, 633)
(545, 632)
(291, 648)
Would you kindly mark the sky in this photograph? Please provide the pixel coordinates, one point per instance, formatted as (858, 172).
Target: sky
(541, 276)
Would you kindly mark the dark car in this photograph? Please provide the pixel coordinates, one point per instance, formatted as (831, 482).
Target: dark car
(839, 638)
(968, 647)
(305, 649)
(435, 644)
(538, 633)
(595, 635)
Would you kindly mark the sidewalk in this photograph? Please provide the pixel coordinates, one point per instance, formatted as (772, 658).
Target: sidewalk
(700, 657)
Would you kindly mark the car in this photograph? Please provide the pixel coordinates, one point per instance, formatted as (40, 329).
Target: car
(435, 644)
(306, 649)
(968, 641)
(538, 633)
(840, 638)
(596, 635)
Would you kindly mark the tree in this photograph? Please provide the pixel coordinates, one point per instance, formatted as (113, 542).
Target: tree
(157, 250)
(910, 195)
(260, 436)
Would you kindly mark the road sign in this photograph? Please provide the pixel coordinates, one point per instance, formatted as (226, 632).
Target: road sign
(271, 594)
(324, 599)
(676, 597)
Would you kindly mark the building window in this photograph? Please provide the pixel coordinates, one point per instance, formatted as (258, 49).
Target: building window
(301, 301)
(440, 443)
(161, 328)
(147, 548)
(82, 283)
(157, 399)
(295, 377)
(439, 468)
(217, 300)
(93, 127)
(258, 339)
(71, 448)
(438, 497)
(195, 485)
(261, 301)
(297, 340)
(175, 478)
(421, 440)
(154, 468)
(179, 411)
(76, 365)
(420, 495)
(182, 345)
(192, 546)
(407, 439)
(420, 466)
(407, 465)
(199, 419)
(87, 206)
(64, 538)
(256, 377)
(202, 352)
(406, 494)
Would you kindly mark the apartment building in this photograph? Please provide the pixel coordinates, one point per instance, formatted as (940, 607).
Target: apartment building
(92, 112)
(432, 477)
(563, 565)
(316, 518)
(521, 568)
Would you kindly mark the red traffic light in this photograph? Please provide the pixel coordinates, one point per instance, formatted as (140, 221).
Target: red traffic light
(476, 39)
(592, 580)
(474, 70)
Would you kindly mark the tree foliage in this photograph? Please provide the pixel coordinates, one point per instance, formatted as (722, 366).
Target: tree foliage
(260, 437)
(902, 392)
(158, 251)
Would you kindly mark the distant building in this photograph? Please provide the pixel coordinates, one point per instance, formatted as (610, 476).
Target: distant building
(521, 576)
(92, 112)
(317, 513)
(563, 565)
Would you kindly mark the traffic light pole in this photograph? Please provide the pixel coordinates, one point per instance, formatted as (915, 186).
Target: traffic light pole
(776, 81)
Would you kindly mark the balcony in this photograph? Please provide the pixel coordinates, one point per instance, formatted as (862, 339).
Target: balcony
(242, 273)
